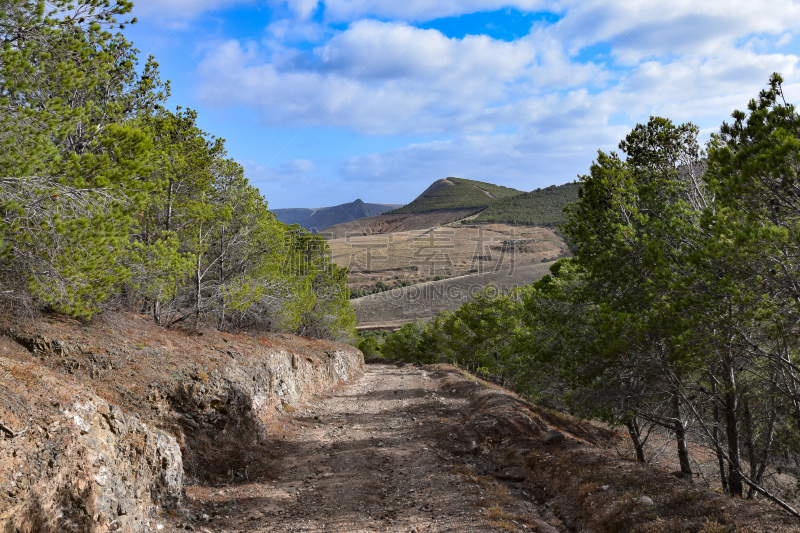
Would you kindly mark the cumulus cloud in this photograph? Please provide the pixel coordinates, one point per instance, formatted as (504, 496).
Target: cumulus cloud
(554, 150)
(386, 78)
(525, 113)
(381, 78)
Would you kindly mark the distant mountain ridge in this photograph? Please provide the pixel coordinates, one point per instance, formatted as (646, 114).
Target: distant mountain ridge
(322, 217)
(457, 193)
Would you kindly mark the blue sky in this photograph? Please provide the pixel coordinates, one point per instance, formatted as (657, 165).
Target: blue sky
(326, 102)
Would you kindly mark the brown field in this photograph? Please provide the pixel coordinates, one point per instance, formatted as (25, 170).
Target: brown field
(417, 256)
(441, 257)
(391, 309)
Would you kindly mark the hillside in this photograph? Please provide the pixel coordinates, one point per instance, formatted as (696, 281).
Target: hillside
(446, 252)
(395, 223)
(542, 207)
(398, 306)
(322, 217)
(457, 193)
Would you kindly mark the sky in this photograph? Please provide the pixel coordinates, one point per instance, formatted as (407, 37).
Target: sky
(323, 102)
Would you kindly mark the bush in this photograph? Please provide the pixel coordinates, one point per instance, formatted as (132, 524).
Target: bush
(369, 346)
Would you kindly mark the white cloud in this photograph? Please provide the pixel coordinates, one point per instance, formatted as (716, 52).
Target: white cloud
(303, 8)
(524, 113)
(553, 151)
(385, 78)
(640, 29)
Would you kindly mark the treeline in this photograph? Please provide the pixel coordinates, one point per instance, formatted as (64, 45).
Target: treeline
(107, 199)
(542, 207)
(680, 309)
(378, 288)
(465, 194)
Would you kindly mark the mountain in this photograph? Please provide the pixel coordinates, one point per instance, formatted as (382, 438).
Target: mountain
(542, 207)
(322, 217)
(457, 193)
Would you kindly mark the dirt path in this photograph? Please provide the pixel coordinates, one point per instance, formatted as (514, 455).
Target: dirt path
(364, 458)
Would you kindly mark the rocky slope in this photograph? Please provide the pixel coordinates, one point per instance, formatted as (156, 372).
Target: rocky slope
(103, 424)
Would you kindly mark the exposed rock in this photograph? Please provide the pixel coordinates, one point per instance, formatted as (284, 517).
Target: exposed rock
(72, 461)
(646, 501)
(553, 437)
(95, 477)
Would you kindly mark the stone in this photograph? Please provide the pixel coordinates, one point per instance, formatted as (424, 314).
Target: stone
(554, 437)
(646, 501)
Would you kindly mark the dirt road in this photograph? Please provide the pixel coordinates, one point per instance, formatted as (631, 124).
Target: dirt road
(368, 457)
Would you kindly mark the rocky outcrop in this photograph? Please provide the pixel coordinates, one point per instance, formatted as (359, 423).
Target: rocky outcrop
(81, 465)
(233, 408)
(99, 435)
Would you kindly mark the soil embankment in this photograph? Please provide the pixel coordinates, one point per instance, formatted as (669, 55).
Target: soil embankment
(430, 449)
(121, 426)
(104, 424)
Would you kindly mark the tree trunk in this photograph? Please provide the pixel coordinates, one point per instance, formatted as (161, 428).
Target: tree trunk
(757, 470)
(636, 436)
(157, 312)
(720, 457)
(749, 442)
(169, 207)
(197, 294)
(680, 437)
(732, 432)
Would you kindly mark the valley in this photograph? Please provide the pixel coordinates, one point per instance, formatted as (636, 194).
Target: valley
(188, 342)
(444, 252)
(455, 239)
(393, 308)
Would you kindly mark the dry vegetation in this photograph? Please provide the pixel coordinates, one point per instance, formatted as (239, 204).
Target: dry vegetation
(443, 257)
(582, 480)
(455, 250)
(396, 223)
(391, 309)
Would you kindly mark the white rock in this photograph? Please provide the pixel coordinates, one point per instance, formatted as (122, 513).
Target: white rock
(646, 501)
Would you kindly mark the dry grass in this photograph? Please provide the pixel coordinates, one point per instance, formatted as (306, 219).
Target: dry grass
(423, 301)
(445, 265)
(496, 501)
(586, 484)
(420, 255)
